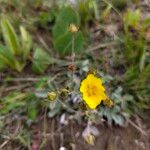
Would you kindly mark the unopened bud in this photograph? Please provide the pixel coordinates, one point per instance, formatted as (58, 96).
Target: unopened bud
(73, 28)
(64, 93)
(52, 96)
(90, 139)
(108, 102)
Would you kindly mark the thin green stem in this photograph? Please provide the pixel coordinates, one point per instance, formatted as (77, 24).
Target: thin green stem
(73, 54)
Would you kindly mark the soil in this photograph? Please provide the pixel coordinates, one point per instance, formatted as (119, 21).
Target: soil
(110, 138)
(49, 134)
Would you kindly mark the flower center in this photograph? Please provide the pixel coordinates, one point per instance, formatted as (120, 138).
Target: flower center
(91, 90)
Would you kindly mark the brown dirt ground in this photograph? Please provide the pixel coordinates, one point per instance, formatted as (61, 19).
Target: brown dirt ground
(110, 138)
(70, 136)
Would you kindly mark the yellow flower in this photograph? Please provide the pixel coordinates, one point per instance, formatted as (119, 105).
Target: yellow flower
(73, 28)
(92, 91)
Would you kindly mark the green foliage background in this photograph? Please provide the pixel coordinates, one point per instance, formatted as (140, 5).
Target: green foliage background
(36, 50)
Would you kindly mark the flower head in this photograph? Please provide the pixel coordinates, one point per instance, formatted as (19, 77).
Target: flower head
(92, 91)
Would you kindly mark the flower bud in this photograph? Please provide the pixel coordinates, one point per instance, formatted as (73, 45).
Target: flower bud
(52, 96)
(64, 93)
(90, 139)
(108, 102)
(73, 28)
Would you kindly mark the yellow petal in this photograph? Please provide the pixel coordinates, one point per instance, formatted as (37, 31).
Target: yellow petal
(92, 90)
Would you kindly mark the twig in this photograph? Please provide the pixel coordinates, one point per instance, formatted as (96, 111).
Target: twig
(72, 134)
(16, 87)
(44, 129)
(49, 134)
(45, 121)
(53, 78)
(11, 137)
(29, 79)
(4, 143)
(2, 89)
(61, 139)
(137, 127)
(52, 136)
(18, 128)
(100, 46)
(43, 42)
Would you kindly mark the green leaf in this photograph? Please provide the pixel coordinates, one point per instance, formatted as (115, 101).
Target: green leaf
(118, 119)
(66, 17)
(131, 18)
(64, 43)
(61, 34)
(41, 60)
(32, 111)
(32, 106)
(15, 54)
(2, 65)
(55, 108)
(8, 58)
(142, 60)
(26, 42)
(10, 36)
(146, 22)
(107, 11)
(12, 102)
(45, 18)
(93, 5)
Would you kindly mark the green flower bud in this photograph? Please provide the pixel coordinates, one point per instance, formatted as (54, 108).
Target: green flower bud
(52, 96)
